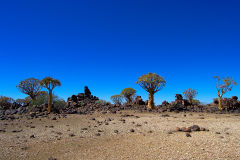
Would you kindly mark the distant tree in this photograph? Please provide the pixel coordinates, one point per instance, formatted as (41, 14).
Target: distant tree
(152, 83)
(30, 86)
(190, 94)
(223, 86)
(20, 101)
(49, 83)
(117, 99)
(128, 94)
(6, 102)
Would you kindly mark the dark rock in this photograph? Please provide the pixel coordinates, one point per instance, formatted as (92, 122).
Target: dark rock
(138, 101)
(71, 135)
(97, 134)
(54, 118)
(184, 129)
(51, 158)
(132, 130)
(195, 128)
(32, 136)
(188, 135)
(115, 131)
(87, 91)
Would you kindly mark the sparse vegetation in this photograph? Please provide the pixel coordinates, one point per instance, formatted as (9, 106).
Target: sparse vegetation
(128, 94)
(223, 86)
(152, 83)
(117, 99)
(49, 83)
(190, 94)
(30, 86)
(6, 102)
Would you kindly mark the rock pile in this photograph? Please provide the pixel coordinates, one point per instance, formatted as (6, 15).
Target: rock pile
(81, 99)
(138, 101)
(231, 103)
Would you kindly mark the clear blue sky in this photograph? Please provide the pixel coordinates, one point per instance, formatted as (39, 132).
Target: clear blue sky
(107, 45)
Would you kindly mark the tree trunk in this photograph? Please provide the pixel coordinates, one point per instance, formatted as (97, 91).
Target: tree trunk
(129, 99)
(50, 101)
(190, 100)
(151, 101)
(220, 103)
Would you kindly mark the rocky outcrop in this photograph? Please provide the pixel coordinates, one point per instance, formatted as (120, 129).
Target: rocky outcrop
(138, 101)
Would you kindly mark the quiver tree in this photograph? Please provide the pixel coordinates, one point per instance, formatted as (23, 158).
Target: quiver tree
(128, 94)
(152, 83)
(30, 86)
(223, 86)
(190, 94)
(49, 83)
(117, 99)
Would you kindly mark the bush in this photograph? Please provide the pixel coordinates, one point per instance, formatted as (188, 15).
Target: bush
(117, 99)
(59, 104)
(103, 102)
(196, 102)
(6, 102)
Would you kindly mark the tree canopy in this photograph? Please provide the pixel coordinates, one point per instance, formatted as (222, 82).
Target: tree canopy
(117, 99)
(151, 82)
(30, 86)
(129, 94)
(50, 83)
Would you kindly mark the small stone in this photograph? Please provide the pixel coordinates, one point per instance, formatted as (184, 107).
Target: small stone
(71, 135)
(218, 133)
(178, 129)
(97, 134)
(51, 158)
(32, 136)
(184, 129)
(24, 148)
(170, 132)
(188, 135)
(84, 129)
(132, 130)
(115, 131)
(54, 118)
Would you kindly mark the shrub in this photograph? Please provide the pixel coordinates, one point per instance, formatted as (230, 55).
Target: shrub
(117, 99)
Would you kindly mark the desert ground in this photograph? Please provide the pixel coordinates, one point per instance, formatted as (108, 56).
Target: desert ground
(127, 135)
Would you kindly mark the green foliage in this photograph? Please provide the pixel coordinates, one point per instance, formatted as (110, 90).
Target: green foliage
(103, 102)
(196, 102)
(128, 94)
(20, 101)
(117, 99)
(190, 94)
(43, 99)
(30, 86)
(58, 104)
(151, 82)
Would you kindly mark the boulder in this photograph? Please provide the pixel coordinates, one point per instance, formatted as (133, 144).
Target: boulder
(139, 101)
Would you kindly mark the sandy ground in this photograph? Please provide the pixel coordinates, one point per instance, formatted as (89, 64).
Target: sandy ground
(80, 137)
